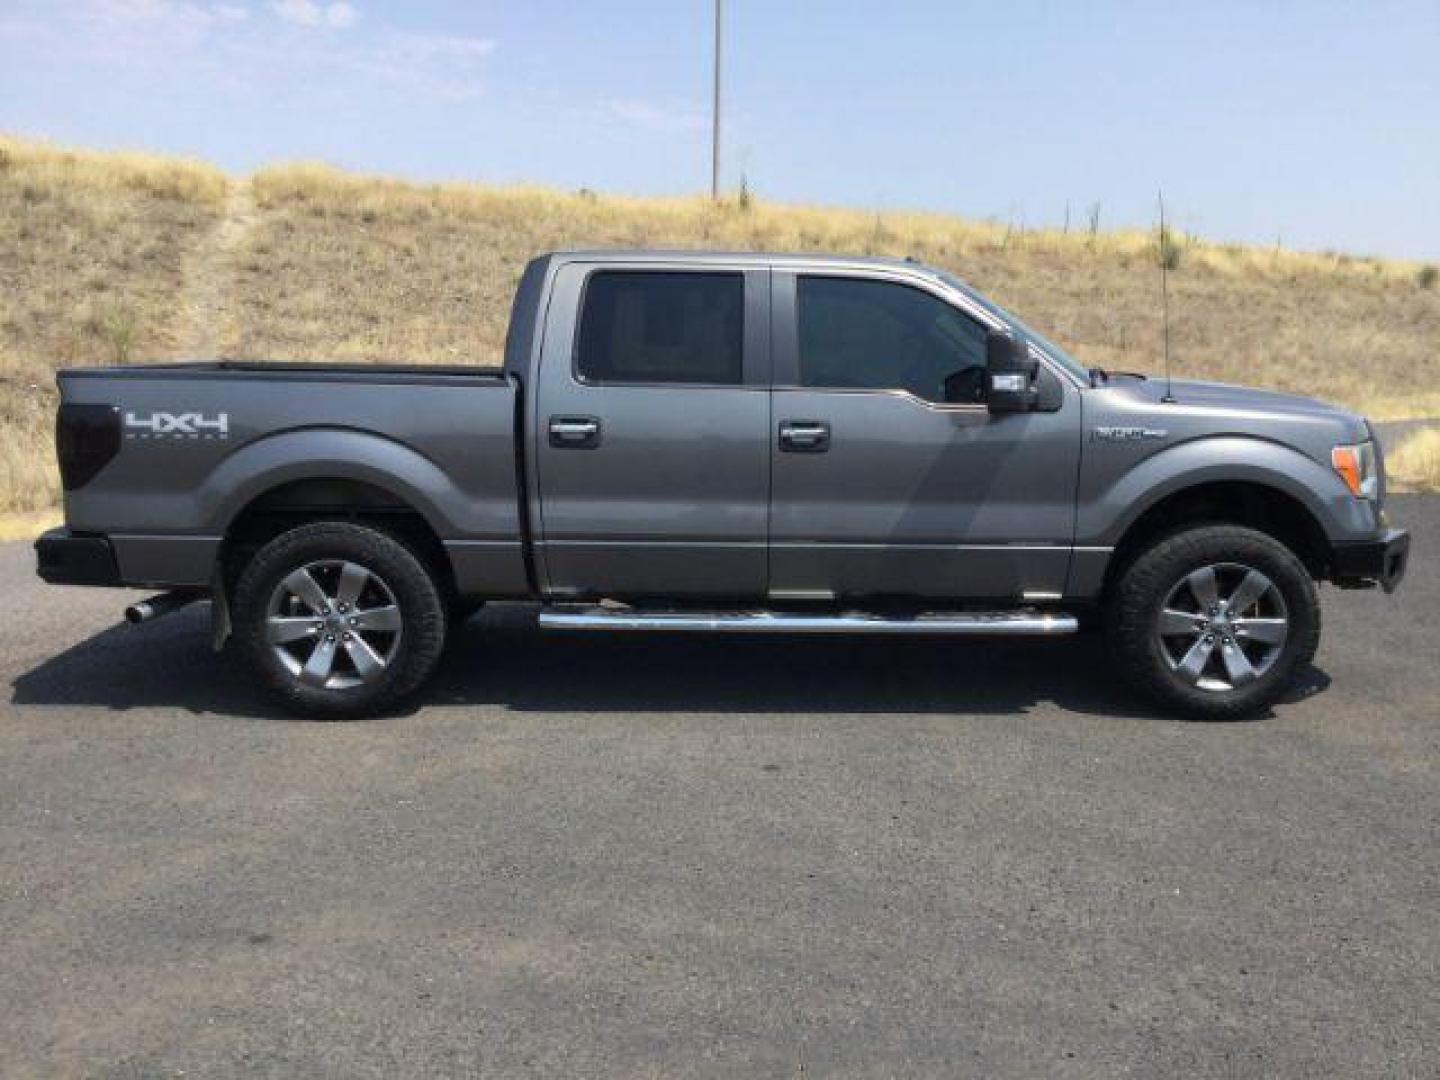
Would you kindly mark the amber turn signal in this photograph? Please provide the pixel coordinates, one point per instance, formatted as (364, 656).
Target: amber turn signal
(1356, 466)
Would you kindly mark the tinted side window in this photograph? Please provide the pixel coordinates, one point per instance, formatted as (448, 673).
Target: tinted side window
(648, 327)
(877, 335)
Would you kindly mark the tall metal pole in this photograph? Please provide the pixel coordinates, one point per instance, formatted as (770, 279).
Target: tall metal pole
(715, 120)
(1169, 396)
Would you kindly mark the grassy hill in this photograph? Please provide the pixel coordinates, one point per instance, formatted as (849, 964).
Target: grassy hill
(125, 257)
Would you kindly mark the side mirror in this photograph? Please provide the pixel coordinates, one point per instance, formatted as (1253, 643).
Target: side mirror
(1010, 373)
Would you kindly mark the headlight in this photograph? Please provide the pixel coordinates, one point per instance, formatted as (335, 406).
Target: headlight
(1358, 467)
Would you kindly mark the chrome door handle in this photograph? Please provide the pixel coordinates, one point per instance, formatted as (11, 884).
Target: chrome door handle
(805, 436)
(574, 432)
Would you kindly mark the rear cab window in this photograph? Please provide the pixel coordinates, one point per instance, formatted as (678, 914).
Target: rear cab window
(660, 327)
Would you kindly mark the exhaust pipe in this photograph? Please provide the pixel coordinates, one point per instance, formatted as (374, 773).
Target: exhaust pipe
(155, 606)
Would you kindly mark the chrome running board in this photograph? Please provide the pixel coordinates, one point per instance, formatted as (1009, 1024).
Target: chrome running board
(1018, 622)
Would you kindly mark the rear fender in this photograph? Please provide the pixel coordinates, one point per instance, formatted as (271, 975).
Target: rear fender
(484, 548)
(327, 453)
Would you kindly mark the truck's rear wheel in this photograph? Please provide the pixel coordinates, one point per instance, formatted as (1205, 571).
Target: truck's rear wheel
(1214, 622)
(339, 619)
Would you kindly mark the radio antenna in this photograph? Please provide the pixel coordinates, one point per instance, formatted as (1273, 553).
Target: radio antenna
(1169, 398)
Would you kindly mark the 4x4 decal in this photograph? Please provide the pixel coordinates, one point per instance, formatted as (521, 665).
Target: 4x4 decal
(186, 425)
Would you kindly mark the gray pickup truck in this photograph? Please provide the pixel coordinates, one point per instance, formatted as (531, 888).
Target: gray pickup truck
(725, 443)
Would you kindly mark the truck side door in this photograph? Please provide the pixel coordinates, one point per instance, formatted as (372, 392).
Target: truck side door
(649, 432)
(882, 486)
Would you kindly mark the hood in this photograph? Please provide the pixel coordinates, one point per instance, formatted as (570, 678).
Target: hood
(1245, 406)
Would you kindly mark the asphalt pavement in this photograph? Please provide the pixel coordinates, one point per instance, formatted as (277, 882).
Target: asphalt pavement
(669, 856)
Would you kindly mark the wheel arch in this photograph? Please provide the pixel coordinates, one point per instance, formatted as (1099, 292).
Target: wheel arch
(328, 456)
(290, 503)
(1256, 504)
(318, 474)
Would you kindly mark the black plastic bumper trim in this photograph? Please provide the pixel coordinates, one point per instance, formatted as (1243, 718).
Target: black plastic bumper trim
(1383, 560)
(64, 558)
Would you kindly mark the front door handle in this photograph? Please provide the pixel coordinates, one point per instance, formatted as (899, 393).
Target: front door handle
(574, 432)
(805, 436)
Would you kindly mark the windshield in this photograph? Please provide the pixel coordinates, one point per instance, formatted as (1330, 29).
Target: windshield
(1039, 340)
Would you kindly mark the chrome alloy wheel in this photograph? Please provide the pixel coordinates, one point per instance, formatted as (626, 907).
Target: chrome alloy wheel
(1223, 626)
(333, 624)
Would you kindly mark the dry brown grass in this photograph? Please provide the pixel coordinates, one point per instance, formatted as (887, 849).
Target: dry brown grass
(92, 253)
(27, 526)
(1415, 463)
(104, 254)
(368, 268)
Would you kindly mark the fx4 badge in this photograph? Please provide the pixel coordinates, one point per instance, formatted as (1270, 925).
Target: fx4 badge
(1127, 434)
(186, 425)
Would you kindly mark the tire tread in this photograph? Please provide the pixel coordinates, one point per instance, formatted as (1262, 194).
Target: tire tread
(1142, 585)
(424, 627)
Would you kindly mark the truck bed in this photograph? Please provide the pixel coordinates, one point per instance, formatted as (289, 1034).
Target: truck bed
(199, 445)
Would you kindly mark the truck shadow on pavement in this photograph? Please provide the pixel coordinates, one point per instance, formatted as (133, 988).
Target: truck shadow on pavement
(500, 659)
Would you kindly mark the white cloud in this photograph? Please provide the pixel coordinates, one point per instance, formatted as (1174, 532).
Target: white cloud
(20, 28)
(443, 67)
(124, 11)
(236, 44)
(113, 28)
(183, 13)
(340, 14)
(336, 15)
(666, 116)
(426, 47)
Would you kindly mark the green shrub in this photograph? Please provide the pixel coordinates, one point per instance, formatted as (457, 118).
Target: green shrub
(117, 328)
(1170, 249)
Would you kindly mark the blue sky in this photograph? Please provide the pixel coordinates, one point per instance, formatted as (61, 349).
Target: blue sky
(1317, 124)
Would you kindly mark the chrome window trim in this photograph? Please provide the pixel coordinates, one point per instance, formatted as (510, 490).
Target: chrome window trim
(933, 406)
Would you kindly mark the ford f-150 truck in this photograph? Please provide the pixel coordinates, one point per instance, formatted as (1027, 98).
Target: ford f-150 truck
(725, 442)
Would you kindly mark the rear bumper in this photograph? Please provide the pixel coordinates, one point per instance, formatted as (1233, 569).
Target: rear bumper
(64, 558)
(1372, 562)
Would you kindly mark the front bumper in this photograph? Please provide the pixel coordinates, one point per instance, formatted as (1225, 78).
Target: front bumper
(65, 558)
(1382, 561)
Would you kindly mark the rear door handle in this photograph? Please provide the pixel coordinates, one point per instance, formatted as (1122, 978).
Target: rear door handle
(574, 432)
(805, 436)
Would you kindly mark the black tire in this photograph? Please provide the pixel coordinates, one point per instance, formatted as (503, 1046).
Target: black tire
(1134, 610)
(414, 647)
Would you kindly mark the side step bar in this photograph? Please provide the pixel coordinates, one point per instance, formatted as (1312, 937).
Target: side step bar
(1018, 622)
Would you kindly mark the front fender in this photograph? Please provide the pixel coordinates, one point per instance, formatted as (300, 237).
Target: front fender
(1112, 499)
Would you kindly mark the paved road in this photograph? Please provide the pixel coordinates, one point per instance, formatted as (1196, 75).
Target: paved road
(670, 856)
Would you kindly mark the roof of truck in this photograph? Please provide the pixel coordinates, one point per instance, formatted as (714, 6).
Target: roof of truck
(766, 258)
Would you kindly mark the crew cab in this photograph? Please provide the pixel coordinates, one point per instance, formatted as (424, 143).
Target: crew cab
(717, 442)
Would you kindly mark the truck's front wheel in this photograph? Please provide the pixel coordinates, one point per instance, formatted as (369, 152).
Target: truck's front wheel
(340, 620)
(1213, 622)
